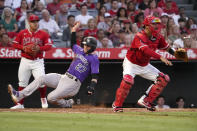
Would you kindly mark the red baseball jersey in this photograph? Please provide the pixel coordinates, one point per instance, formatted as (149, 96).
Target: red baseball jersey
(89, 32)
(137, 54)
(26, 37)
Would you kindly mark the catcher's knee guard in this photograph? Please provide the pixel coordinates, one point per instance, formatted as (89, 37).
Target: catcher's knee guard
(123, 90)
(156, 89)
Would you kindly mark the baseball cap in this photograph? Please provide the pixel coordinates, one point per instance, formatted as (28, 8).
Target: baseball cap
(193, 27)
(107, 15)
(33, 18)
(164, 15)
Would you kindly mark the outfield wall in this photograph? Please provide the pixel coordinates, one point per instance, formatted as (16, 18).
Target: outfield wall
(183, 83)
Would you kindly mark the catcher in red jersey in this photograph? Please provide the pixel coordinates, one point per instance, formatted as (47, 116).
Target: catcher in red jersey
(32, 42)
(137, 61)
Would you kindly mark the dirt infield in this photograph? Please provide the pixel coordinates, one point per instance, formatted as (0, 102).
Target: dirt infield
(93, 109)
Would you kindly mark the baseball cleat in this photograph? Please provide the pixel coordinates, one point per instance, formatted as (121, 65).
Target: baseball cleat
(18, 106)
(44, 103)
(70, 102)
(13, 93)
(117, 108)
(147, 105)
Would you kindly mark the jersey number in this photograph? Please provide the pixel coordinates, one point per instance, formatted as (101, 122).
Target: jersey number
(80, 68)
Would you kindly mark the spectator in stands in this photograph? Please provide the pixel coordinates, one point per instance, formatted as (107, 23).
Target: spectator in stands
(53, 7)
(49, 24)
(182, 13)
(107, 4)
(115, 36)
(13, 4)
(164, 19)
(143, 5)
(134, 30)
(67, 31)
(61, 16)
(25, 23)
(1, 7)
(127, 41)
(100, 35)
(5, 40)
(127, 26)
(100, 17)
(152, 9)
(20, 13)
(92, 28)
(170, 24)
(190, 22)
(161, 103)
(131, 11)
(168, 6)
(106, 24)
(180, 102)
(193, 30)
(83, 17)
(174, 35)
(114, 8)
(8, 21)
(122, 15)
(182, 25)
(79, 35)
(90, 4)
(32, 4)
(38, 9)
(139, 18)
(2, 30)
(74, 5)
(185, 41)
(106, 43)
(122, 35)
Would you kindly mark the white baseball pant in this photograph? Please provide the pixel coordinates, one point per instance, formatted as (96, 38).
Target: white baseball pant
(64, 87)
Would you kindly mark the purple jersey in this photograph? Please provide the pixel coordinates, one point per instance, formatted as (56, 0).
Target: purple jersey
(83, 64)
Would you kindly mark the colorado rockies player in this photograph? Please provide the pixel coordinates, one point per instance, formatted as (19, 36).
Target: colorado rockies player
(68, 84)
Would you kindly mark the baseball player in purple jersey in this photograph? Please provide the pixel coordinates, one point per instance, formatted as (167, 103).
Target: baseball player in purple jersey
(68, 84)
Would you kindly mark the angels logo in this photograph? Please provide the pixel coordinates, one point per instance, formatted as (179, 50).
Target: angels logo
(191, 53)
(123, 53)
(59, 53)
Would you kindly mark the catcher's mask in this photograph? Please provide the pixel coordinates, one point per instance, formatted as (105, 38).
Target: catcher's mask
(90, 41)
(149, 20)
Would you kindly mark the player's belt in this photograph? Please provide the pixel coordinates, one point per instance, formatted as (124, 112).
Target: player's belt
(71, 76)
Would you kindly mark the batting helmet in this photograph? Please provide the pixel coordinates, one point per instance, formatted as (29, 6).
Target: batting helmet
(152, 20)
(90, 41)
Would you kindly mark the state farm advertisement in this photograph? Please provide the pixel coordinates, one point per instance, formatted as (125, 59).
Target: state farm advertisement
(66, 53)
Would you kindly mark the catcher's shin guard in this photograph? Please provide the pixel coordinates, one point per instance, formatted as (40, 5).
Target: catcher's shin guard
(123, 90)
(156, 89)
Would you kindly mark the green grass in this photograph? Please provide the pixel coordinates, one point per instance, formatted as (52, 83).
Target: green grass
(128, 121)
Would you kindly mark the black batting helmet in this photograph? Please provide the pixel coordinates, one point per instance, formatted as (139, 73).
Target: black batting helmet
(90, 41)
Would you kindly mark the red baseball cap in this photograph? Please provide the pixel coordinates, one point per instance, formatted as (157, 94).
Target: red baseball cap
(33, 18)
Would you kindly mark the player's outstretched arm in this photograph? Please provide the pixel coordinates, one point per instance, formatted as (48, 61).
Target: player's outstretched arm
(93, 84)
(73, 35)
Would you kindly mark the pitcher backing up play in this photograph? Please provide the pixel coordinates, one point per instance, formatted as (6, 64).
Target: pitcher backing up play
(137, 61)
(68, 84)
(32, 42)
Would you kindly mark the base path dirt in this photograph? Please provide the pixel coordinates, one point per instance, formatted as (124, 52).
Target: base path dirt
(93, 109)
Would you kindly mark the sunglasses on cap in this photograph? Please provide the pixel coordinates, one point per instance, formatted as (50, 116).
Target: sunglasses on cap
(156, 20)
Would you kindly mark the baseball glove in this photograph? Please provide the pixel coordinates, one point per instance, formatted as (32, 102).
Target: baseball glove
(31, 49)
(181, 54)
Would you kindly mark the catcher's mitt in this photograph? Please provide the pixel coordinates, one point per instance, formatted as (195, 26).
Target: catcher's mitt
(181, 54)
(31, 49)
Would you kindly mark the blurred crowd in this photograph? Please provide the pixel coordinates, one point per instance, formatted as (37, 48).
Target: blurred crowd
(113, 22)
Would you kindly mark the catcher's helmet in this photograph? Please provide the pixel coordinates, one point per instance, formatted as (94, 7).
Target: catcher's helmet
(90, 41)
(152, 20)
